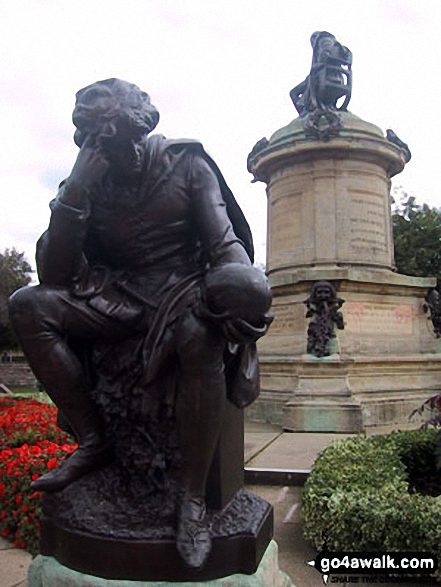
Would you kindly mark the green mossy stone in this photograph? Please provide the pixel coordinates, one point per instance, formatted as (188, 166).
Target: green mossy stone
(351, 126)
(45, 571)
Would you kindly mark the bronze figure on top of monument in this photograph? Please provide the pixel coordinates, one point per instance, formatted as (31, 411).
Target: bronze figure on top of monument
(143, 332)
(330, 79)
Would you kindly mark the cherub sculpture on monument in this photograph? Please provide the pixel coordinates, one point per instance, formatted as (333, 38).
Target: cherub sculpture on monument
(330, 79)
(147, 312)
(432, 305)
(323, 307)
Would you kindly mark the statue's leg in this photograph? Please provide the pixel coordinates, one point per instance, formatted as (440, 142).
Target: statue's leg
(43, 318)
(200, 408)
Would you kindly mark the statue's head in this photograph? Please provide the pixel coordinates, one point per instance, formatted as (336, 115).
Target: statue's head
(322, 291)
(433, 297)
(315, 37)
(113, 108)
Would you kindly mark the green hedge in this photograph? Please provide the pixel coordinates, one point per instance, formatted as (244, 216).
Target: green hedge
(357, 499)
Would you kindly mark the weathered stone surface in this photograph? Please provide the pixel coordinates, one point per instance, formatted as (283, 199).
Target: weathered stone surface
(329, 202)
(13, 565)
(330, 219)
(46, 571)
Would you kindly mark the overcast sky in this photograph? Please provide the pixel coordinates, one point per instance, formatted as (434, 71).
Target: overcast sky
(219, 71)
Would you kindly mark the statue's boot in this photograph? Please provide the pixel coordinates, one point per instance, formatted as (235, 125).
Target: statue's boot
(45, 318)
(193, 539)
(94, 452)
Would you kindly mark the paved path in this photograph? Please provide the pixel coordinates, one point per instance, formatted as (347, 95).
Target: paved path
(13, 565)
(266, 446)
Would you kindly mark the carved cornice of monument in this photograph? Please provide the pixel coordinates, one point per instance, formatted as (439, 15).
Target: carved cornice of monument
(356, 139)
(289, 280)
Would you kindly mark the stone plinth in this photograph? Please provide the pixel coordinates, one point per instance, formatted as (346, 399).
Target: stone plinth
(385, 362)
(45, 571)
(329, 219)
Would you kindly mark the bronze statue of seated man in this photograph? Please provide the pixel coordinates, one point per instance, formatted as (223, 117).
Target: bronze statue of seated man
(145, 239)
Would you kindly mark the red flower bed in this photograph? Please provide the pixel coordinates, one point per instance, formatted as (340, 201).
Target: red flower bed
(29, 421)
(27, 434)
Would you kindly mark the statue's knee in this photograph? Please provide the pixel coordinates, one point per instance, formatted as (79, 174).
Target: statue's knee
(23, 303)
(19, 301)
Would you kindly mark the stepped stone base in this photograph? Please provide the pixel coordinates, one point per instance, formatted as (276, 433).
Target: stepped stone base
(382, 366)
(45, 571)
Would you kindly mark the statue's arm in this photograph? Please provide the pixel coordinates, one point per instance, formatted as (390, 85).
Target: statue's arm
(60, 258)
(297, 92)
(210, 214)
(60, 248)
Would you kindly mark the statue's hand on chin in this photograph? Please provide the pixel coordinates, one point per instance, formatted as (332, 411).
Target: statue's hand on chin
(90, 167)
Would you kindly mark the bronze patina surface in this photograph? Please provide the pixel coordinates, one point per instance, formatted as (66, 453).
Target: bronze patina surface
(143, 330)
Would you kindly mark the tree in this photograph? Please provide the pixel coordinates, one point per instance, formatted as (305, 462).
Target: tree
(417, 238)
(14, 273)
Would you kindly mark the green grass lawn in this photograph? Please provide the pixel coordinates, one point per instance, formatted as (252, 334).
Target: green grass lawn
(31, 392)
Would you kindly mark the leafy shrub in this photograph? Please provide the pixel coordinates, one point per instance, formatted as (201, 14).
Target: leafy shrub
(416, 449)
(431, 409)
(356, 497)
(32, 445)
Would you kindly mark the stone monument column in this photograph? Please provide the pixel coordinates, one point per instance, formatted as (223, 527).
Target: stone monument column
(369, 355)
(328, 201)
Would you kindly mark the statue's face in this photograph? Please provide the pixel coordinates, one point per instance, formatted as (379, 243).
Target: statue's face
(323, 293)
(319, 35)
(125, 158)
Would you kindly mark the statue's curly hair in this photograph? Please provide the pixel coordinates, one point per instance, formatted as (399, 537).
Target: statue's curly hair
(111, 107)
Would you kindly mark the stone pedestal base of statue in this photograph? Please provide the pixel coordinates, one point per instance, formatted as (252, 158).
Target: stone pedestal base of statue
(119, 527)
(45, 571)
(383, 365)
(116, 537)
(114, 528)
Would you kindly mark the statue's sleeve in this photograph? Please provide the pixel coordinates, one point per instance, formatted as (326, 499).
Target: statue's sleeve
(217, 235)
(60, 258)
